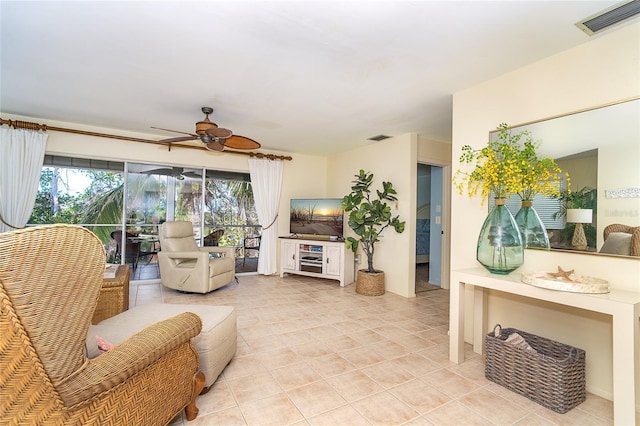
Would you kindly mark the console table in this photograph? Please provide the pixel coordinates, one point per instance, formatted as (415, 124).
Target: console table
(623, 306)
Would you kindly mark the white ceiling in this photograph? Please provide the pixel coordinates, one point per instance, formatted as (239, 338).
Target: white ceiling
(313, 77)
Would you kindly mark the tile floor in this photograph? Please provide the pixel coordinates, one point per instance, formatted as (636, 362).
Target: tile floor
(313, 353)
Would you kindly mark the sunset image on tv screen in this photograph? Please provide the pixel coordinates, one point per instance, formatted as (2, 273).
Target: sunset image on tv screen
(316, 216)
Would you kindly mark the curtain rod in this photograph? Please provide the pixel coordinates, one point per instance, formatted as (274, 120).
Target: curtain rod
(17, 124)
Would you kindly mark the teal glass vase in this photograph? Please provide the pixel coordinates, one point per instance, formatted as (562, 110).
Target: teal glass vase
(532, 230)
(500, 248)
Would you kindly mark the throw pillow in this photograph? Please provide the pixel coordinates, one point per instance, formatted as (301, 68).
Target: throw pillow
(617, 243)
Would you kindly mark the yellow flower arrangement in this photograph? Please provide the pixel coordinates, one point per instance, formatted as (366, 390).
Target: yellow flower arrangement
(509, 165)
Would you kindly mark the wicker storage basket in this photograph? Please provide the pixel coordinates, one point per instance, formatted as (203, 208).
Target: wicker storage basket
(554, 377)
(370, 284)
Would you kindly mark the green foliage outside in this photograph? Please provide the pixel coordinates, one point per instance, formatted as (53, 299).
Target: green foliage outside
(55, 205)
(228, 204)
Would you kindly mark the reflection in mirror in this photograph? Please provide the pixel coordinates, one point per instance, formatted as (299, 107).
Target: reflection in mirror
(600, 149)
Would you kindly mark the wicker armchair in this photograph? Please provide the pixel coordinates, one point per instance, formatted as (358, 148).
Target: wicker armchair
(633, 230)
(50, 278)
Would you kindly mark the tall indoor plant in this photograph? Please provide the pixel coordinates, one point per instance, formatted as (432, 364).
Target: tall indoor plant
(368, 217)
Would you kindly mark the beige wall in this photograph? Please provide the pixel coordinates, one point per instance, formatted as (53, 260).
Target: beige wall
(603, 70)
(433, 152)
(583, 171)
(618, 210)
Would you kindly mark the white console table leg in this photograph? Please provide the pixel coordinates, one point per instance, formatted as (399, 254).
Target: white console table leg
(479, 319)
(456, 321)
(625, 344)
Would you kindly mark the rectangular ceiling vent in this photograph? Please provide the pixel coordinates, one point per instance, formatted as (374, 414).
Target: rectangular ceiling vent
(378, 138)
(609, 17)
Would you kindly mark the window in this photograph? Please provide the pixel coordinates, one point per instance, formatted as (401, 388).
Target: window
(546, 207)
(105, 196)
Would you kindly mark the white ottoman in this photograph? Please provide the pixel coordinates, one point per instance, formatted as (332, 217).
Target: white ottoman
(216, 343)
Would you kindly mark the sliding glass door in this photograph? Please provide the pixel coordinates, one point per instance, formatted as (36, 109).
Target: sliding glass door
(112, 197)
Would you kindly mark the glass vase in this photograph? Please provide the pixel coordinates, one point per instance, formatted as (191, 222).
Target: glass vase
(499, 243)
(531, 228)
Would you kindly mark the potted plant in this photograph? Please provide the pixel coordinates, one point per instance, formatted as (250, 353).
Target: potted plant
(509, 164)
(368, 217)
(499, 248)
(537, 174)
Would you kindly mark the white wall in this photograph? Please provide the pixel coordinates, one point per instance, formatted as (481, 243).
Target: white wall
(603, 70)
(304, 176)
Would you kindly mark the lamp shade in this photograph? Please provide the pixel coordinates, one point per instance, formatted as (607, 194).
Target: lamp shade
(579, 215)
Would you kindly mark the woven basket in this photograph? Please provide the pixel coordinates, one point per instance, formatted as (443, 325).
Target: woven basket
(370, 284)
(554, 377)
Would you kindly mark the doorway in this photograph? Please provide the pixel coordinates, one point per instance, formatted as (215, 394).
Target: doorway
(429, 228)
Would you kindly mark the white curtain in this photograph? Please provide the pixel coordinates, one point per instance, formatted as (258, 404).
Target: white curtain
(266, 181)
(22, 154)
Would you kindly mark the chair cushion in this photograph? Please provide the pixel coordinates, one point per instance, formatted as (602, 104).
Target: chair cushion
(178, 236)
(216, 343)
(177, 229)
(180, 244)
(221, 265)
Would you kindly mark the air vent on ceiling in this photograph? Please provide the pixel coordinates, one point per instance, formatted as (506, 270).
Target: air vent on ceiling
(609, 17)
(378, 138)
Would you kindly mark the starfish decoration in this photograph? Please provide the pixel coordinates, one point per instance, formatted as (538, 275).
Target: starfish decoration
(561, 275)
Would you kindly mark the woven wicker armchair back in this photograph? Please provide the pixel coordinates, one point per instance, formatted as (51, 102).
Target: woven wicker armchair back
(50, 278)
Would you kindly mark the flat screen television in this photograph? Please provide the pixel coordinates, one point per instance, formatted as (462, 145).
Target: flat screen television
(317, 216)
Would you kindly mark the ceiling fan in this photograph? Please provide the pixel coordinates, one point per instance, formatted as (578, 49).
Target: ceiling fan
(176, 172)
(213, 137)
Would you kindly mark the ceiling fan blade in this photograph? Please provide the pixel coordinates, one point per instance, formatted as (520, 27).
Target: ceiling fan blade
(219, 132)
(214, 146)
(179, 139)
(241, 142)
(174, 131)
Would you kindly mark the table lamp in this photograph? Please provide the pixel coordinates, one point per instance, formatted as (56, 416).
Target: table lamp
(579, 216)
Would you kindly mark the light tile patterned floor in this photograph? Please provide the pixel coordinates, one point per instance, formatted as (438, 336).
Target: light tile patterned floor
(313, 353)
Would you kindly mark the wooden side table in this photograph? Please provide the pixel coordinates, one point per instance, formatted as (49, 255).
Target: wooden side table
(114, 296)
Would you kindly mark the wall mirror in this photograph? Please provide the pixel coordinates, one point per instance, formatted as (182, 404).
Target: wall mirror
(600, 148)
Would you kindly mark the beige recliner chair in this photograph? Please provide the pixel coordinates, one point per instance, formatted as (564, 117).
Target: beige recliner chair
(185, 266)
